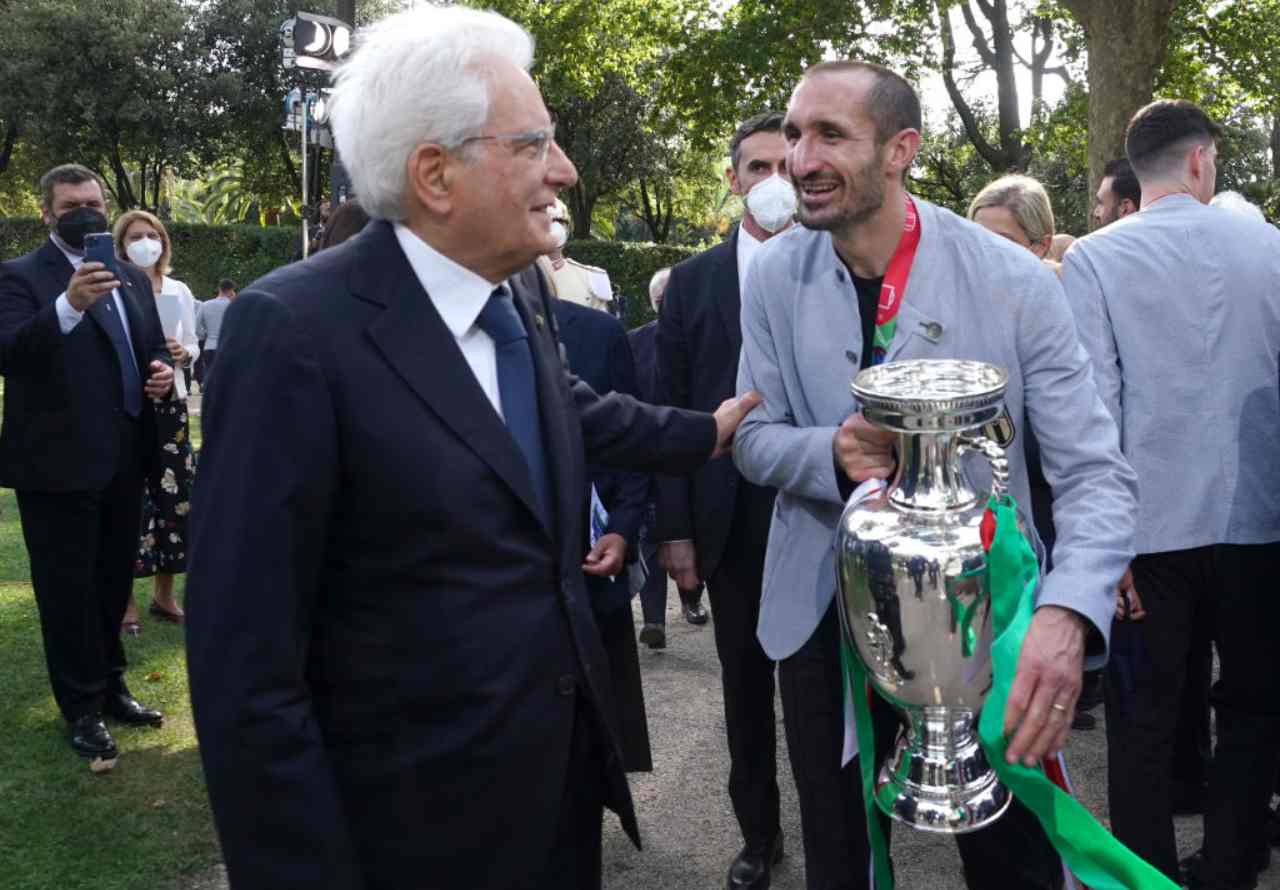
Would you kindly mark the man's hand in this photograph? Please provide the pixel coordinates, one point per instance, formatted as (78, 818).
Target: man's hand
(88, 285)
(1046, 685)
(177, 351)
(1128, 603)
(607, 556)
(864, 451)
(680, 559)
(731, 413)
(159, 380)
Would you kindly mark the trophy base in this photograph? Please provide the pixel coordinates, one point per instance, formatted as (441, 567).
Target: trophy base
(947, 792)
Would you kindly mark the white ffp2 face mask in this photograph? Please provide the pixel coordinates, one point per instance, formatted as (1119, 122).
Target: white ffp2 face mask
(560, 232)
(772, 203)
(144, 252)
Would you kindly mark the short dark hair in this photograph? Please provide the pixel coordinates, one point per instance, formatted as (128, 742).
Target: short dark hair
(226, 284)
(66, 174)
(1124, 183)
(349, 219)
(1160, 132)
(765, 122)
(893, 105)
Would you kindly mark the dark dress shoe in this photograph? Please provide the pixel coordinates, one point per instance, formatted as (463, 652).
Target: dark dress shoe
(90, 738)
(691, 605)
(1083, 722)
(654, 636)
(124, 708)
(750, 871)
(1191, 869)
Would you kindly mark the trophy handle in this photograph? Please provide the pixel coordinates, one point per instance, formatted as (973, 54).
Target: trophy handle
(995, 456)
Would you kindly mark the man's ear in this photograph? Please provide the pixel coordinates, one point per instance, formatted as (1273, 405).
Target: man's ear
(901, 150)
(732, 176)
(1125, 207)
(431, 177)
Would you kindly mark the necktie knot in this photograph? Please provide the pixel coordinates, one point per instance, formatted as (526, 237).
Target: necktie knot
(500, 320)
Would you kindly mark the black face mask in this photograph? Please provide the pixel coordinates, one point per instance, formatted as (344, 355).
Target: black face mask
(73, 225)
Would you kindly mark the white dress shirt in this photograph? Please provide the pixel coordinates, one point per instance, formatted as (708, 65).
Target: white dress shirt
(69, 316)
(459, 295)
(748, 245)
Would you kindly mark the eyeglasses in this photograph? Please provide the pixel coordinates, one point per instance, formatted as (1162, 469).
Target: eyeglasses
(535, 143)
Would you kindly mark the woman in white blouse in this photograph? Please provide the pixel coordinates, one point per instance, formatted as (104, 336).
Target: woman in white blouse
(141, 239)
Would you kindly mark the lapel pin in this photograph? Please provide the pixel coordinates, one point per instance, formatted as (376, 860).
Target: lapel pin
(851, 356)
(932, 330)
(537, 320)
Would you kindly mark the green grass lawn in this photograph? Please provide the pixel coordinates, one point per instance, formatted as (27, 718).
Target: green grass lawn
(140, 826)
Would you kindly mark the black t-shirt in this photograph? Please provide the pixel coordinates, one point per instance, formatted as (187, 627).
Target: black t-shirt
(868, 301)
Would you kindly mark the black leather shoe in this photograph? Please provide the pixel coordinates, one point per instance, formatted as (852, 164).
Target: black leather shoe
(691, 605)
(654, 636)
(124, 708)
(750, 871)
(1191, 869)
(1083, 722)
(89, 738)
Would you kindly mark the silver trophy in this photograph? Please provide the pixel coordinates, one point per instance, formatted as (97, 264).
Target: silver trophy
(912, 584)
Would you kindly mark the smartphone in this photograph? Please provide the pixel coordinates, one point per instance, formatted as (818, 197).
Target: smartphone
(100, 248)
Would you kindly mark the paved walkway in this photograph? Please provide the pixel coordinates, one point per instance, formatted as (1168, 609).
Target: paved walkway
(687, 823)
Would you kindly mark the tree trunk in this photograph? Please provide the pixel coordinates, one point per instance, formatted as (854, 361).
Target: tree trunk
(581, 205)
(1127, 43)
(6, 149)
(1275, 146)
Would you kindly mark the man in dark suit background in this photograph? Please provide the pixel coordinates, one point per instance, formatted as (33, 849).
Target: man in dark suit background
(653, 587)
(395, 672)
(600, 356)
(76, 343)
(715, 525)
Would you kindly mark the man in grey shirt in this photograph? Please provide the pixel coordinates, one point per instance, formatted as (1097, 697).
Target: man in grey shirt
(1179, 308)
(209, 327)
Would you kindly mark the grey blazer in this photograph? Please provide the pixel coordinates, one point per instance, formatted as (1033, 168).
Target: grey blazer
(971, 295)
(1179, 307)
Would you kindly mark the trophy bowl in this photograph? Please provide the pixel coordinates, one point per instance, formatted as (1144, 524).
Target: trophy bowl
(912, 588)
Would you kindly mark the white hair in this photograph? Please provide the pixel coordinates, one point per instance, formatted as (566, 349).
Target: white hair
(658, 284)
(1238, 203)
(416, 77)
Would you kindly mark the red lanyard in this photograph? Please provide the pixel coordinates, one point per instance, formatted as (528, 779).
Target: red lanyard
(894, 284)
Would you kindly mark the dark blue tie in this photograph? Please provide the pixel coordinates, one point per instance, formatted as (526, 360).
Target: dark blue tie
(129, 378)
(517, 388)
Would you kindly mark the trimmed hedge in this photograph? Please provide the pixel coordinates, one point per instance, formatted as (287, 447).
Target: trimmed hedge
(204, 254)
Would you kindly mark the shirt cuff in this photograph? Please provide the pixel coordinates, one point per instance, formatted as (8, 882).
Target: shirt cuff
(680, 541)
(68, 315)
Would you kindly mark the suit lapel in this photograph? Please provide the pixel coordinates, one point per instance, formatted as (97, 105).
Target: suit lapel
(923, 318)
(568, 488)
(130, 297)
(726, 275)
(414, 340)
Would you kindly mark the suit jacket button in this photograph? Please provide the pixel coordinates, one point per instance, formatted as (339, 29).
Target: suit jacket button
(566, 684)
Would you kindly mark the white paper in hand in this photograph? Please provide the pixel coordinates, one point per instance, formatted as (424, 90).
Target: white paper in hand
(170, 314)
(599, 517)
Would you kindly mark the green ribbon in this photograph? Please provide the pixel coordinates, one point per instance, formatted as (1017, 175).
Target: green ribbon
(1090, 852)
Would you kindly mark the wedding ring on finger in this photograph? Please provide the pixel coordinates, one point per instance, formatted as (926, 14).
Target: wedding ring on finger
(1059, 707)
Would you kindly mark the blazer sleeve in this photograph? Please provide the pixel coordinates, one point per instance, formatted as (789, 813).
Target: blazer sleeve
(673, 494)
(1093, 322)
(261, 512)
(1094, 488)
(620, 431)
(30, 337)
(769, 448)
(632, 490)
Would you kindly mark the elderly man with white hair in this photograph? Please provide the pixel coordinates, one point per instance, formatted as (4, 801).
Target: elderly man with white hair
(395, 673)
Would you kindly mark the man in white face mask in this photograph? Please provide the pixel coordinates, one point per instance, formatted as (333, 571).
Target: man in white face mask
(715, 524)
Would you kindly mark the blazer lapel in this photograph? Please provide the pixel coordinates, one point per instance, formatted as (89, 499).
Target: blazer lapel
(137, 339)
(730, 297)
(568, 486)
(415, 341)
(922, 318)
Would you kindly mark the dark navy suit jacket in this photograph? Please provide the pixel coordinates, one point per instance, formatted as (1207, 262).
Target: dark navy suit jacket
(600, 355)
(386, 646)
(63, 395)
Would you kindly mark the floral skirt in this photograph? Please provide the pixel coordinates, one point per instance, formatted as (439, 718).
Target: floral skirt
(166, 499)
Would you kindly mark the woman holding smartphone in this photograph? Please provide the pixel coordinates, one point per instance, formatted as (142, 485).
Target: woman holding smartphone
(141, 239)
